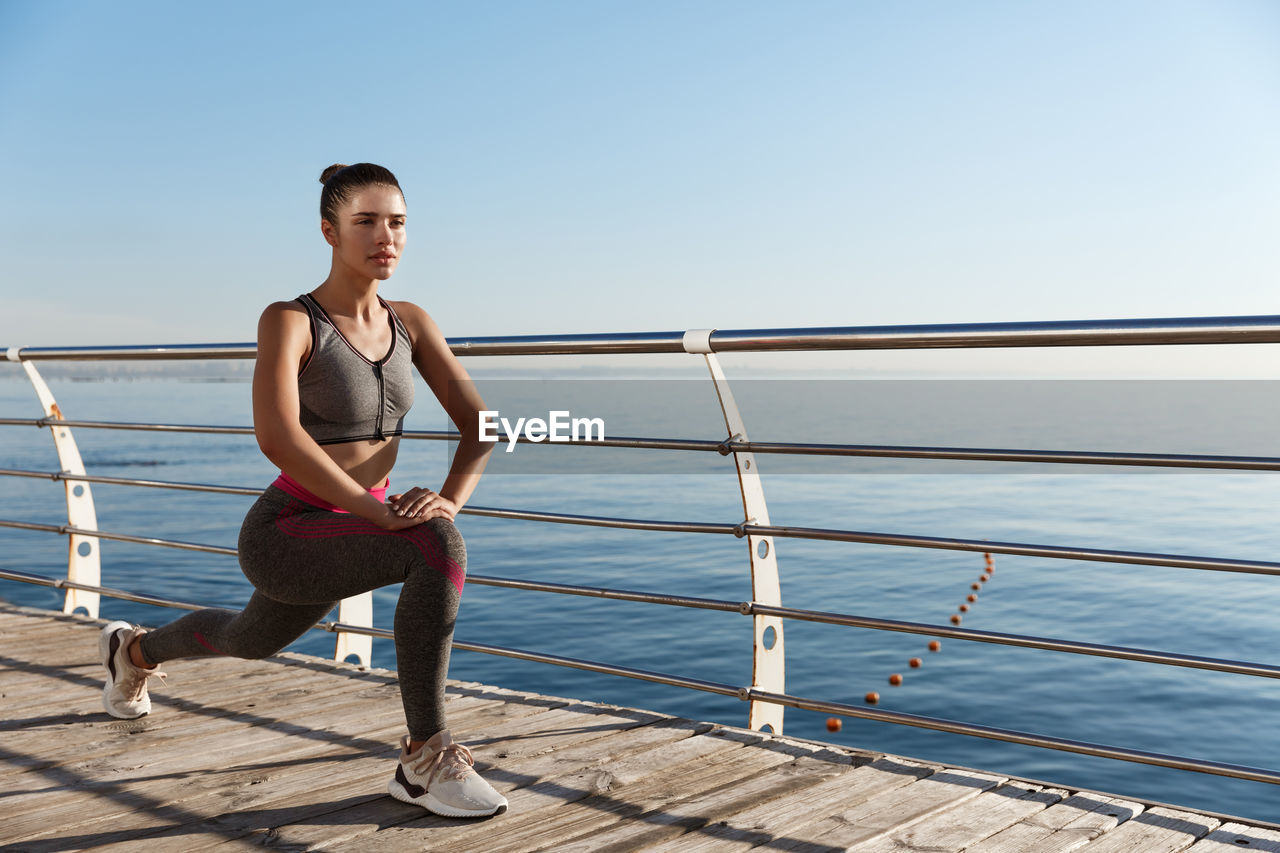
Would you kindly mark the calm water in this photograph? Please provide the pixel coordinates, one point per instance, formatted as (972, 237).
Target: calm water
(1161, 709)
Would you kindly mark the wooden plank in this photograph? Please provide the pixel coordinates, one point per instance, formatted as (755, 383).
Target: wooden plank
(1238, 836)
(960, 827)
(1065, 826)
(690, 813)
(1156, 830)
(633, 788)
(891, 810)
(767, 824)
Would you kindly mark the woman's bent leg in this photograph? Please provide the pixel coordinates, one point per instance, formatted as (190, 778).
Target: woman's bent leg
(295, 553)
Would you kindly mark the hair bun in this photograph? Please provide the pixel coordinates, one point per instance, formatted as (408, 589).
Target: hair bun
(331, 171)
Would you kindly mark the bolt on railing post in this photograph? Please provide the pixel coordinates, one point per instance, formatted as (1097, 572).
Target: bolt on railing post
(768, 671)
(83, 562)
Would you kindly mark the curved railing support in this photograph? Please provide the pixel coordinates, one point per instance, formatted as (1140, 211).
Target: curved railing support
(83, 562)
(769, 655)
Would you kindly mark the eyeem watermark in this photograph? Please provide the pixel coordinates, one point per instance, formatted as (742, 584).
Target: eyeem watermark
(558, 427)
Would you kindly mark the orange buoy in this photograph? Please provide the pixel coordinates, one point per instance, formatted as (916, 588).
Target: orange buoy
(872, 697)
(985, 578)
(975, 586)
(964, 608)
(972, 598)
(895, 679)
(955, 618)
(935, 646)
(833, 724)
(914, 663)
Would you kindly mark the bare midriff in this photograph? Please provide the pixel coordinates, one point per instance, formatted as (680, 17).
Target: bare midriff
(369, 463)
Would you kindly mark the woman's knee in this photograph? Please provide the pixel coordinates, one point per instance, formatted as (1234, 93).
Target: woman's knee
(452, 546)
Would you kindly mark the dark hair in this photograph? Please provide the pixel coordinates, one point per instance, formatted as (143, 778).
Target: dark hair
(341, 182)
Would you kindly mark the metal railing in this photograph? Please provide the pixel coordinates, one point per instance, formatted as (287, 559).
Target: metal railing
(766, 695)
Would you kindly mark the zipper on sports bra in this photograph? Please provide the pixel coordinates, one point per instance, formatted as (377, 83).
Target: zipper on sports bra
(382, 400)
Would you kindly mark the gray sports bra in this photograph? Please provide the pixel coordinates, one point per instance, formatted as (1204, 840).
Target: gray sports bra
(345, 396)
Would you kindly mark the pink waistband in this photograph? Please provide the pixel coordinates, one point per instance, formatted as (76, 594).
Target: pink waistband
(286, 483)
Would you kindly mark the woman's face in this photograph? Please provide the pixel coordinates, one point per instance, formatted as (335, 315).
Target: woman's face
(370, 233)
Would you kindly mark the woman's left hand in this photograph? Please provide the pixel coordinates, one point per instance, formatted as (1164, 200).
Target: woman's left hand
(423, 504)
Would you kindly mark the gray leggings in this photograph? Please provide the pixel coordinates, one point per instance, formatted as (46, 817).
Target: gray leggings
(302, 560)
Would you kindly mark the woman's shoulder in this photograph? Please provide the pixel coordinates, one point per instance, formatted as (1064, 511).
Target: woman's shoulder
(289, 311)
(284, 321)
(406, 309)
(417, 322)
(413, 316)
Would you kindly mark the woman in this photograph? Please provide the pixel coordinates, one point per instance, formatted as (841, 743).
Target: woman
(331, 385)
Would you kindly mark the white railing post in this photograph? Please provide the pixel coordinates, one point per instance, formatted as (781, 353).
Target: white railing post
(83, 562)
(356, 610)
(768, 671)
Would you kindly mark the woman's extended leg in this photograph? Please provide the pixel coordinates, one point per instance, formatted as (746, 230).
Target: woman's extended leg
(264, 627)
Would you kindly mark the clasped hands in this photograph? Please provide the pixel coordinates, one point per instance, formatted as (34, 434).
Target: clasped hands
(416, 506)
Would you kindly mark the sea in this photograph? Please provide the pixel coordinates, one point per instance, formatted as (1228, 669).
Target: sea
(1157, 708)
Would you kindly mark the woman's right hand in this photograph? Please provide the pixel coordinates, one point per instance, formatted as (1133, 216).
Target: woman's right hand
(391, 521)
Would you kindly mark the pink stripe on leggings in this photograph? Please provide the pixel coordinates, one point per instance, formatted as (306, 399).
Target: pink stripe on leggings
(208, 645)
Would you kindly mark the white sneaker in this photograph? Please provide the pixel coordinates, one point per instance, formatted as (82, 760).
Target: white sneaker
(125, 693)
(440, 778)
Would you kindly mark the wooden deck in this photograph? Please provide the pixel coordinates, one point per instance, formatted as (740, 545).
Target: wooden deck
(295, 752)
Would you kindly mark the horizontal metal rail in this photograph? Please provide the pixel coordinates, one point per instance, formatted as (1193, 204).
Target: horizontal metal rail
(128, 481)
(980, 545)
(724, 448)
(603, 521)
(560, 660)
(110, 592)
(1056, 333)
(1143, 558)
(985, 454)
(144, 427)
(1217, 768)
(67, 529)
(1235, 667)
(612, 594)
(140, 352)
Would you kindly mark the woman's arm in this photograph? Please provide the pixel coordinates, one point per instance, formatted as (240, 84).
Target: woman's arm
(454, 389)
(284, 334)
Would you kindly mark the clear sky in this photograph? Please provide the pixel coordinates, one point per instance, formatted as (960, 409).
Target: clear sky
(579, 165)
